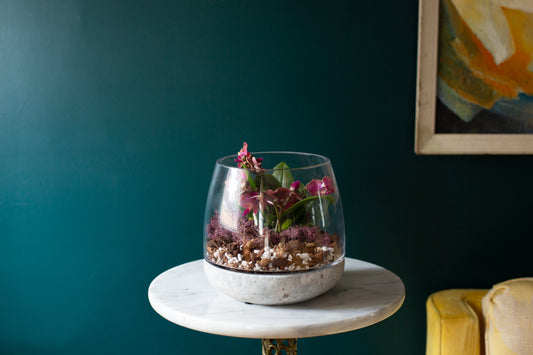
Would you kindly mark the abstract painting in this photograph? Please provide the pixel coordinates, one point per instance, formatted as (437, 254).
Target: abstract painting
(475, 77)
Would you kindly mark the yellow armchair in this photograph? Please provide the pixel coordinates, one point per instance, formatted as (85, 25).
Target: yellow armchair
(498, 321)
(455, 323)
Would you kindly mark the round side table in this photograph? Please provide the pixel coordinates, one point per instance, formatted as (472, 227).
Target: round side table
(365, 294)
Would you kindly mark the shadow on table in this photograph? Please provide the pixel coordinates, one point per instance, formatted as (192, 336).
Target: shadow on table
(368, 288)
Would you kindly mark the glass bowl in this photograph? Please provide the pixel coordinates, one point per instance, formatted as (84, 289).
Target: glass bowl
(283, 217)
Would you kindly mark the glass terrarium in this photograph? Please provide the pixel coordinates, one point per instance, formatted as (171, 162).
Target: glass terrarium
(273, 213)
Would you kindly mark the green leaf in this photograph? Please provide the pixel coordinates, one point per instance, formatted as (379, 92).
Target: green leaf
(267, 182)
(283, 174)
(286, 224)
(320, 209)
(291, 209)
(270, 218)
(250, 180)
(299, 216)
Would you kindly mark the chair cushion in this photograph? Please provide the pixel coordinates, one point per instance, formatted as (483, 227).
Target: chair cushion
(454, 325)
(508, 312)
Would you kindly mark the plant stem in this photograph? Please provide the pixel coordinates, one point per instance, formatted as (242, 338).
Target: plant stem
(261, 197)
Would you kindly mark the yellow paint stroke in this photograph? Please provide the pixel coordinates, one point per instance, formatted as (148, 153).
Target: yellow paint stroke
(469, 68)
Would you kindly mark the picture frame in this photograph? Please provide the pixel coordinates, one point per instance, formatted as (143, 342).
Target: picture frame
(427, 141)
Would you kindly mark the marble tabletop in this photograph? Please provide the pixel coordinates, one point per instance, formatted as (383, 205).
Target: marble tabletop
(365, 294)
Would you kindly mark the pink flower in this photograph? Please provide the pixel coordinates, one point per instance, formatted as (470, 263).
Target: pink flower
(248, 161)
(249, 201)
(242, 154)
(282, 197)
(253, 201)
(295, 185)
(320, 187)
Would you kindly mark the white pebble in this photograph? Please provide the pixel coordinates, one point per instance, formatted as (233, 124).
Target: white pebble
(266, 254)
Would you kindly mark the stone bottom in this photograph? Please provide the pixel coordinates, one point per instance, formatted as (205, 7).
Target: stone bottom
(274, 289)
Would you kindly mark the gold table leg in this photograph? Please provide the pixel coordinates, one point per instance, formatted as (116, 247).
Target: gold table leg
(279, 346)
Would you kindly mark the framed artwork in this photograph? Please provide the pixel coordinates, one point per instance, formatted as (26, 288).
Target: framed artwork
(475, 77)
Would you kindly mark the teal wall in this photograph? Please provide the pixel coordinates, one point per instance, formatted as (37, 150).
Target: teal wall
(112, 114)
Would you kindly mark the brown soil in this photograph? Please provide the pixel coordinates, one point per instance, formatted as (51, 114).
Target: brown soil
(297, 248)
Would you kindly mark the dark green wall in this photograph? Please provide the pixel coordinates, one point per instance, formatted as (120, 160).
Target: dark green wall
(112, 114)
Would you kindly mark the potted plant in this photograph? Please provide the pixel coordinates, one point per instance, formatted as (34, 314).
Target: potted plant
(273, 235)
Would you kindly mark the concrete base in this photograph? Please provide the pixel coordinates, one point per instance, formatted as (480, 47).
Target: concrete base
(274, 289)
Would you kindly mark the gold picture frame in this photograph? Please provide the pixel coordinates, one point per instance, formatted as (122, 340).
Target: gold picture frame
(426, 140)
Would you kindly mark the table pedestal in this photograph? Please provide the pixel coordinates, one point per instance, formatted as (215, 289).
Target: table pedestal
(279, 346)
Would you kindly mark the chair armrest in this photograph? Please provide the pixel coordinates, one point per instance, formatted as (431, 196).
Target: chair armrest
(455, 323)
